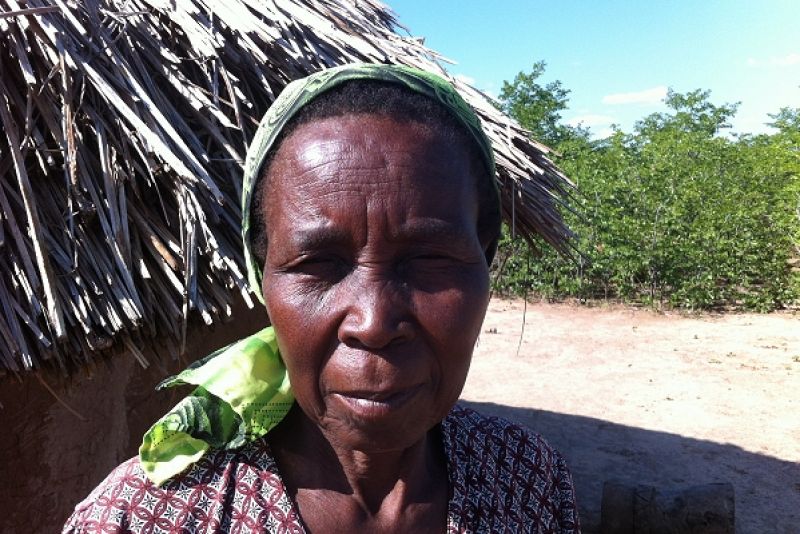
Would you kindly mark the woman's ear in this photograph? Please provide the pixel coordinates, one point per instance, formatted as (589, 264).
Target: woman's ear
(264, 297)
(490, 249)
(266, 313)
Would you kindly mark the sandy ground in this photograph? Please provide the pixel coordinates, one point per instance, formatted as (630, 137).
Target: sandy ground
(667, 400)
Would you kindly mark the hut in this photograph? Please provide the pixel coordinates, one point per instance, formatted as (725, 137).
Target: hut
(124, 128)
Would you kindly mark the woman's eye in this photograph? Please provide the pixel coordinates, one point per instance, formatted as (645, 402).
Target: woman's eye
(430, 257)
(323, 267)
(429, 261)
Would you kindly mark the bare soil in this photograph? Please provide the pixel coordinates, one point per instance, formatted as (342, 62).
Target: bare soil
(667, 400)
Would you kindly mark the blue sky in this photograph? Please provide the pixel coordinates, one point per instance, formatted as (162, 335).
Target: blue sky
(619, 57)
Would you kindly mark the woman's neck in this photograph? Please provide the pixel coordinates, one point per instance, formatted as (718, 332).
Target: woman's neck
(397, 477)
(377, 487)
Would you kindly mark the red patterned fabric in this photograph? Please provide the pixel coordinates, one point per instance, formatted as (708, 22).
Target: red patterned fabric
(502, 478)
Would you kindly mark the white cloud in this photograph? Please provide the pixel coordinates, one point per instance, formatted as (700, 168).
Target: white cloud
(653, 95)
(469, 80)
(491, 93)
(787, 60)
(489, 89)
(600, 126)
(603, 133)
(591, 119)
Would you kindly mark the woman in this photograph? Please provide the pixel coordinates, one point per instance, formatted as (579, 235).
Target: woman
(370, 218)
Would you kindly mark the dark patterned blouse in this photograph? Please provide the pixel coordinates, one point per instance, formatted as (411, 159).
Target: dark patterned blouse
(502, 478)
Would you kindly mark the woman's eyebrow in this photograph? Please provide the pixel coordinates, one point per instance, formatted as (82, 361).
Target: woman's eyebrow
(316, 237)
(435, 230)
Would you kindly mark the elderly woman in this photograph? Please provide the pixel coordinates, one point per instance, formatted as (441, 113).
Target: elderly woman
(370, 216)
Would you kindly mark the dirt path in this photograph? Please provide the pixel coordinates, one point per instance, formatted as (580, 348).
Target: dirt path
(646, 398)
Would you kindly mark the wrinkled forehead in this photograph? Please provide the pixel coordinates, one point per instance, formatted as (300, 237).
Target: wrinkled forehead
(370, 156)
(364, 150)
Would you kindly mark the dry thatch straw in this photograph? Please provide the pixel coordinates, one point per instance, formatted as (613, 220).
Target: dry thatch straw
(125, 124)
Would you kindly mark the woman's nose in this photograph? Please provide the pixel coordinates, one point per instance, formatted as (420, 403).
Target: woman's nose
(377, 313)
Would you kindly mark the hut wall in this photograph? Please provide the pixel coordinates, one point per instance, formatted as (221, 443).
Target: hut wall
(51, 459)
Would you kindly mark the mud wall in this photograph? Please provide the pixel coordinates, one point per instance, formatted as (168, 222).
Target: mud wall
(50, 458)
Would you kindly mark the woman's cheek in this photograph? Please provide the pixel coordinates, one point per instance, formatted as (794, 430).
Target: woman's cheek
(294, 297)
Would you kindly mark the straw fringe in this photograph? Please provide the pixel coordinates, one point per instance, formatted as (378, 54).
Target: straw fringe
(125, 124)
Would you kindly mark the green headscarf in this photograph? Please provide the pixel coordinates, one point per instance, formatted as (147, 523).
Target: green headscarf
(243, 390)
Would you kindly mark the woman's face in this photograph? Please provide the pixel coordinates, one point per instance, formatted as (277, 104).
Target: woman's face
(375, 278)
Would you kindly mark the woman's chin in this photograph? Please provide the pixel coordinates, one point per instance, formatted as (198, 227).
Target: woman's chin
(380, 424)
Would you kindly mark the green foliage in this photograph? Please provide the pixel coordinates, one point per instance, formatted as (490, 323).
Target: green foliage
(673, 213)
(690, 113)
(538, 107)
(787, 121)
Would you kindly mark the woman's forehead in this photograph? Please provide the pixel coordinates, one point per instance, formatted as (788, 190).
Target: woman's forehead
(369, 163)
(368, 151)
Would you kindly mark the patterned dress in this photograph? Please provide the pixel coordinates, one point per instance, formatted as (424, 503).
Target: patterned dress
(502, 478)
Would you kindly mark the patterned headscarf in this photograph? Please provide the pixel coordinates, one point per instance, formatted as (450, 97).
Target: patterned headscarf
(243, 390)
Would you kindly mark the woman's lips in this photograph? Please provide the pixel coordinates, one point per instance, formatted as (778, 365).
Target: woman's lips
(371, 404)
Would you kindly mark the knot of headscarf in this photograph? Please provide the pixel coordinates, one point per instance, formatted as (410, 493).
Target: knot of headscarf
(243, 390)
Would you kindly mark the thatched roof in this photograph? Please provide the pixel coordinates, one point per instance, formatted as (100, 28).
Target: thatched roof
(125, 124)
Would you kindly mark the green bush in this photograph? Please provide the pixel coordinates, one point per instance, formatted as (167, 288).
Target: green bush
(675, 214)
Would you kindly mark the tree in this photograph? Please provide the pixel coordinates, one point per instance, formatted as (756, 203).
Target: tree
(787, 121)
(673, 213)
(691, 112)
(538, 107)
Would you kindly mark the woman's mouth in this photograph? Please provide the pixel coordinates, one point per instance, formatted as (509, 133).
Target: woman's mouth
(377, 404)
